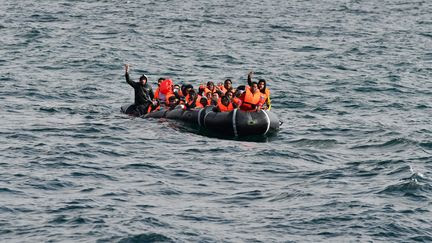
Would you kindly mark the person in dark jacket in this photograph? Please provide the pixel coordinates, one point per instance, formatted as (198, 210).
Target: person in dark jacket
(143, 94)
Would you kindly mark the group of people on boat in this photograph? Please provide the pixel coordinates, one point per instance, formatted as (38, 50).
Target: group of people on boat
(223, 97)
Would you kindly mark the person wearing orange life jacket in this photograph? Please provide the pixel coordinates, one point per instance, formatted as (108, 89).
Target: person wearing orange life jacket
(203, 102)
(164, 91)
(236, 97)
(156, 93)
(173, 102)
(232, 99)
(215, 99)
(224, 105)
(210, 88)
(227, 86)
(220, 88)
(251, 98)
(192, 100)
(265, 92)
(177, 90)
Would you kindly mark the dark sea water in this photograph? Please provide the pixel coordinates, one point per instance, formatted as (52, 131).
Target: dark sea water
(352, 81)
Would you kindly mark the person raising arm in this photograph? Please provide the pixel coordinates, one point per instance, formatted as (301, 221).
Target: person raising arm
(143, 93)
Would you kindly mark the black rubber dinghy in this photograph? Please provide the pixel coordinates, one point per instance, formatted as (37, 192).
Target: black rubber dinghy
(236, 123)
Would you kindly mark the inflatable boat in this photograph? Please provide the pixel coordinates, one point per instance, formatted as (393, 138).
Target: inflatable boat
(235, 123)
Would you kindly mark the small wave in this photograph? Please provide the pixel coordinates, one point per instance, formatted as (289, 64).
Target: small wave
(71, 207)
(54, 185)
(146, 237)
(244, 197)
(308, 49)
(137, 166)
(284, 196)
(370, 89)
(425, 34)
(422, 238)
(344, 68)
(316, 143)
(391, 143)
(6, 210)
(416, 187)
(44, 18)
(48, 109)
(11, 191)
(93, 174)
(426, 145)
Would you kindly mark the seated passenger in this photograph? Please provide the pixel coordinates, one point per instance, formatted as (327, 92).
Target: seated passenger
(227, 86)
(210, 88)
(192, 99)
(214, 99)
(201, 89)
(251, 98)
(204, 102)
(231, 97)
(224, 105)
(173, 102)
(177, 90)
(185, 88)
(164, 91)
(265, 92)
(236, 97)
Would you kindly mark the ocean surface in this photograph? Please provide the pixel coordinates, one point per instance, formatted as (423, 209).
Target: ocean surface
(350, 79)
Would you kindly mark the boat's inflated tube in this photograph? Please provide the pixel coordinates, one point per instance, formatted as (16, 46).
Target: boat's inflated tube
(233, 123)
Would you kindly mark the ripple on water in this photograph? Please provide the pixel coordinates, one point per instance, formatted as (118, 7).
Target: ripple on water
(415, 187)
(144, 237)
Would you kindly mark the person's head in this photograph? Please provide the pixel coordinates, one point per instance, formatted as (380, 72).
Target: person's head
(171, 99)
(229, 94)
(262, 85)
(143, 79)
(186, 89)
(192, 94)
(215, 96)
(204, 101)
(225, 100)
(228, 84)
(239, 91)
(210, 85)
(208, 95)
(201, 89)
(160, 81)
(176, 88)
(254, 87)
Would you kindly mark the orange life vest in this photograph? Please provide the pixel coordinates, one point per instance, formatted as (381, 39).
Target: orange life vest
(163, 98)
(189, 101)
(206, 90)
(250, 99)
(224, 108)
(237, 101)
(149, 109)
(222, 88)
(262, 100)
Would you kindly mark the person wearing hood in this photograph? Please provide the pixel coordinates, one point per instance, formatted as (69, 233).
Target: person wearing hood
(143, 93)
(264, 91)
